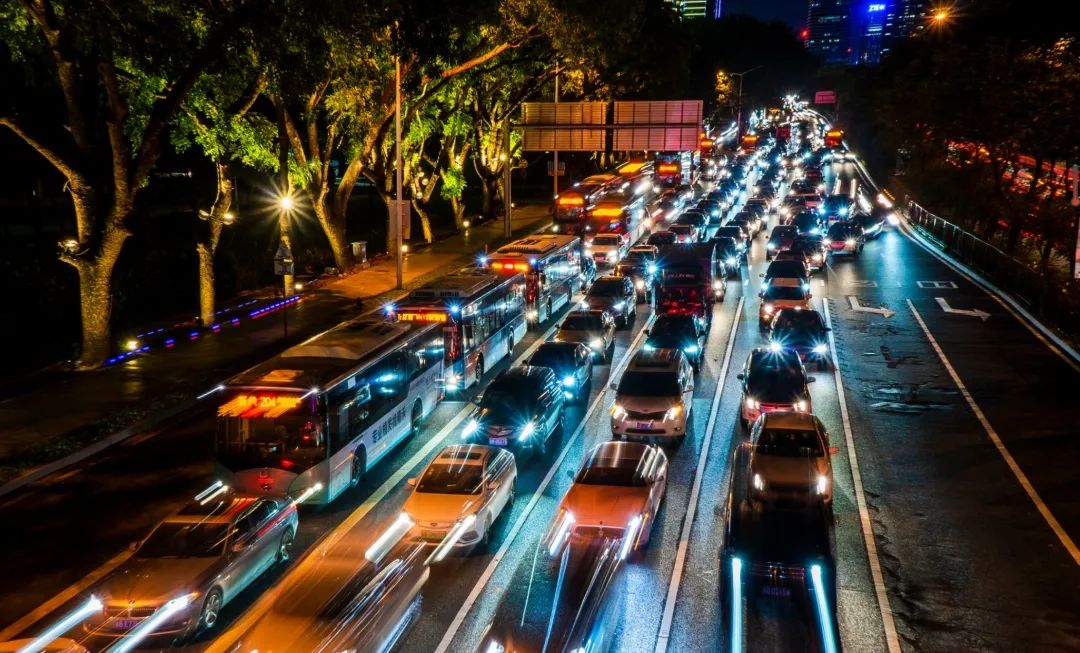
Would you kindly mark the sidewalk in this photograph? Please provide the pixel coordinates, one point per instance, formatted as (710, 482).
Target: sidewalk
(63, 416)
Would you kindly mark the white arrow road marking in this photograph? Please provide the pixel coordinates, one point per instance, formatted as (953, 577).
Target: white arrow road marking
(974, 312)
(856, 306)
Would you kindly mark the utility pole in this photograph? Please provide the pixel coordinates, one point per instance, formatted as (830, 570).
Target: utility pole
(555, 165)
(738, 115)
(397, 217)
(285, 203)
(507, 230)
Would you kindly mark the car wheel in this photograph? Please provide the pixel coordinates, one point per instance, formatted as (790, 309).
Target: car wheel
(357, 469)
(211, 609)
(584, 392)
(284, 551)
(609, 353)
(541, 448)
(513, 493)
(485, 539)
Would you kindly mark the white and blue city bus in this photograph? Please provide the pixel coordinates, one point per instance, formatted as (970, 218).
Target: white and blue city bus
(322, 413)
(481, 315)
(552, 268)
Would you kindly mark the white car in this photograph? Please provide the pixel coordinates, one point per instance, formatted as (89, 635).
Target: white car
(462, 492)
(654, 396)
(608, 249)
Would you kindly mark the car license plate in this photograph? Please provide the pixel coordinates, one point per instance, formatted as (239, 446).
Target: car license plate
(644, 425)
(779, 592)
(432, 535)
(125, 624)
(498, 442)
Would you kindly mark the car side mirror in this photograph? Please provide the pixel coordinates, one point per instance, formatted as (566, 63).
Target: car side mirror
(492, 486)
(762, 275)
(412, 481)
(828, 328)
(740, 376)
(134, 546)
(811, 379)
(238, 547)
(834, 450)
(613, 386)
(570, 474)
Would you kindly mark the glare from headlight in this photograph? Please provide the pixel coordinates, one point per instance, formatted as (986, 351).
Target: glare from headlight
(827, 242)
(822, 484)
(759, 483)
(647, 347)
(770, 245)
(673, 412)
(821, 349)
(618, 412)
(527, 430)
(816, 257)
(800, 406)
(619, 305)
(639, 284)
(731, 260)
(471, 427)
(569, 381)
(690, 349)
(751, 403)
(850, 242)
(767, 309)
(596, 343)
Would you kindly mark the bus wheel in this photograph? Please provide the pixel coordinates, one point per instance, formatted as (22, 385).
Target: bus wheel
(509, 347)
(417, 418)
(479, 368)
(358, 464)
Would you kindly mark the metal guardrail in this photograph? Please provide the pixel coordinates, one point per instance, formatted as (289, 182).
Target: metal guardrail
(1058, 305)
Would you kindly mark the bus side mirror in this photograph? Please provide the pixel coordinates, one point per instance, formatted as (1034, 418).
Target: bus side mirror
(613, 386)
(412, 481)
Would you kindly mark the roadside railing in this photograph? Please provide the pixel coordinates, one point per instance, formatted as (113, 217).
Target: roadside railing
(1054, 298)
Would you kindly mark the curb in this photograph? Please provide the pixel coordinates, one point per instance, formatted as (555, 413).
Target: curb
(143, 425)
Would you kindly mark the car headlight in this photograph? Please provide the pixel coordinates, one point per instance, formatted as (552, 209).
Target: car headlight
(648, 347)
(821, 348)
(767, 309)
(690, 349)
(816, 258)
(651, 268)
(751, 403)
(827, 242)
(619, 305)
(800, 406)
(717, 285)
(770, 245)
(596, 343)
(639, 284)
(842, 210)
(527, 430)
(850, 242)
(618, 412)
(471, 427)
(759, 483)
(731, 260)
(531, 314)
(822, 484)
(673, 412)
(452, 380)
(569, 381)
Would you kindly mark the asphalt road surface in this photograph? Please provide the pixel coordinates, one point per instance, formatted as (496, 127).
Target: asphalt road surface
(969, 493)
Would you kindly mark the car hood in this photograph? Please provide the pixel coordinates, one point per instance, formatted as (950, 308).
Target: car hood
(577, 335)
(644, 404)
(601, 302)
(605, 505)
(788, 470)
(429, 508)
(670, 342)
(155, 580)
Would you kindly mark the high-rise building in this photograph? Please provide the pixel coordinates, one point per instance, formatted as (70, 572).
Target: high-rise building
(696, 8)
(829, 30)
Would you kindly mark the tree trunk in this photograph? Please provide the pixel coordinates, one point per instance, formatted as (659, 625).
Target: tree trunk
(491, 193)
(458, 206)
(206, 248)
(333, 225)
(425, 221)
(95, 298)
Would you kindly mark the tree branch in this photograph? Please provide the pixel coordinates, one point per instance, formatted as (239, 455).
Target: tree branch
(114, 122)
(62, 163)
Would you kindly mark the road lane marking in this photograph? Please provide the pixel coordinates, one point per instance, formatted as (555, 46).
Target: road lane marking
(1022, 478)
(936, 285)
(489, 571)
(859, 308)
(973, 312)
(892, 641)
(664, 635)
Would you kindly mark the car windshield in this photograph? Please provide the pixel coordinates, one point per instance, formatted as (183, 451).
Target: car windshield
(582, 322)
(789, 443)
(623, 472)
(804, 320)
(606, 288)
(680, 328)
(734, 233)
(606, 241)
(833, 203)
(441, 478)
(775, 383)
(553, 357)
(681, 228)
(785, 269)
(661, 238)
(639, 383)
(185, 540)
(838, 231)
(507, 405)
(785, 292)
(782, 232)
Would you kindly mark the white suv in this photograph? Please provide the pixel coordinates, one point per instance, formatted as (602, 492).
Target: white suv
(654, 397)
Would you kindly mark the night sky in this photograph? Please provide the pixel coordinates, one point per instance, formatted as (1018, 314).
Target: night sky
(792, 12)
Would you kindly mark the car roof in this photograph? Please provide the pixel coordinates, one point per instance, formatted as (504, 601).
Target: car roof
(789, 419)
(464, 454)
(561, 344)
(655, 360)
(620, 450)
(219, 508)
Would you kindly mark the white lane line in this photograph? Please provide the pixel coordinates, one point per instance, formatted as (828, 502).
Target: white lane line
(688, 521)
(892, 641)
(1022, 478)
(489, 571)
(329, 540)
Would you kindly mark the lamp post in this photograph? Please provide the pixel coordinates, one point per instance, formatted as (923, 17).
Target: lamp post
(738, 115)
(555, 164)
(286, 204)
(397, 218)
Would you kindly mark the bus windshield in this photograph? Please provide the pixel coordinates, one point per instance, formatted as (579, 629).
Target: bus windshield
(284, 432)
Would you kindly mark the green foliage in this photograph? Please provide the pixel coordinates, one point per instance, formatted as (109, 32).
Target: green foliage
(453, 182)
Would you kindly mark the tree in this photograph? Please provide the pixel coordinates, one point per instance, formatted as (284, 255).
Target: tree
(120, 72)
(217, 117)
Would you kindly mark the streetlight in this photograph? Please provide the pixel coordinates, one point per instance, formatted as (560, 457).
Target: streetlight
(285, 204)
(940, 16)
(738, 116)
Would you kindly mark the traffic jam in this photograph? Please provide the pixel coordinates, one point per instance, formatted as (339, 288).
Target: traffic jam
(531, 447)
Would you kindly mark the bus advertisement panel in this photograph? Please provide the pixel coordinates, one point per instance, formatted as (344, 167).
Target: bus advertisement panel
(481, 315)
(319, 415)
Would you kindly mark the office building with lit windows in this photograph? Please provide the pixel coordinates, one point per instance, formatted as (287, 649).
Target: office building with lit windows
(696, 8)
(861, 31)
(829, 30)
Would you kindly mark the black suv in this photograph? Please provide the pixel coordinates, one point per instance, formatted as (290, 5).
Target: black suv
(616, 295)
(521, 409)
